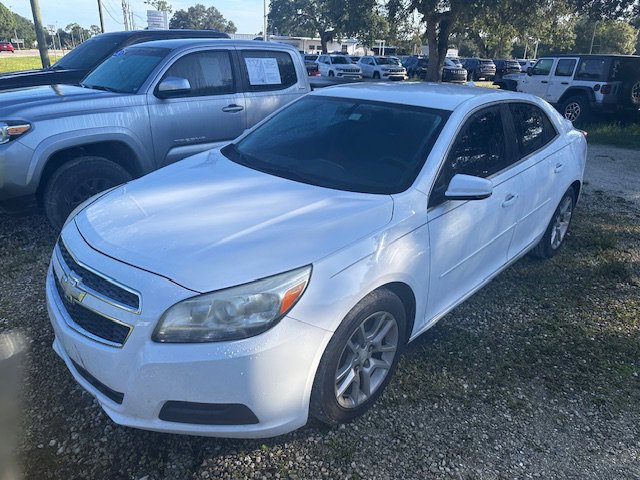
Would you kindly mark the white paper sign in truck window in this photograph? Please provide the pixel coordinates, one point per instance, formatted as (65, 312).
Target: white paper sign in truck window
(263, 71)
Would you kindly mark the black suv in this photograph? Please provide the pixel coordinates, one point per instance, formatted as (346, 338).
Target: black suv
(478, 68)
(417, 67)
(73, 67)
(504, 67)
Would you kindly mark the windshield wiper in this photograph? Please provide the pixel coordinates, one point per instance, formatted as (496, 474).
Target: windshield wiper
(99, 87)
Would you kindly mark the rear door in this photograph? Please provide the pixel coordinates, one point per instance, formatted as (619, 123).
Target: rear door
(211, 113)
(538, 82)
(560, 78)
(270, 79)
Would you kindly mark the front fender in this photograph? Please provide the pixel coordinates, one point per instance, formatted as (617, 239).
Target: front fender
(55, 143)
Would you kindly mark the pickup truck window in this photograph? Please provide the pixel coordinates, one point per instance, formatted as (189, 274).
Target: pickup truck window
(260, 81)
(125, 71)
(209, 73)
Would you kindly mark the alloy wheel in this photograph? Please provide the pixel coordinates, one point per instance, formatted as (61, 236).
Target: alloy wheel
(572, 111)
(561, 223)
(366, 359)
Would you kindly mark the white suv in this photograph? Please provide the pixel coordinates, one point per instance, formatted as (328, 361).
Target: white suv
(382, 68)
(579, 85)
(338, 66)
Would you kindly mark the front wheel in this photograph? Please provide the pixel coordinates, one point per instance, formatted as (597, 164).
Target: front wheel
(556, 232)
(376, 75)
(359, 359)
(76, 181)
(331, 74)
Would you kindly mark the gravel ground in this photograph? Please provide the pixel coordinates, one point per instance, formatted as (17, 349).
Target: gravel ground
(536, 376)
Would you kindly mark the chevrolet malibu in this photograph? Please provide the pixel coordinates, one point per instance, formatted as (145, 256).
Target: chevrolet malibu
(243, 289)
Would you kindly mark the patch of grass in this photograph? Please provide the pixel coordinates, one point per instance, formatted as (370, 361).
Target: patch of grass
(616, 133)
(13, 64)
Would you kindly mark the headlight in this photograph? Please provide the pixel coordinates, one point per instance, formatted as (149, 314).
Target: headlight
(233, 313)
(11, 130)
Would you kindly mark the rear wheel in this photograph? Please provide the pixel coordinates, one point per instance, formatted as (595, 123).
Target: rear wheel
(331, 74)
(576, 109)
(556, 232)
(77, 180)
(376, 75)
(359, 359)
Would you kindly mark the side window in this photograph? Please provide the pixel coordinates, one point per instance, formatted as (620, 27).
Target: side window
(542, 67)
(479, 150)
(268, 70)
(592, 68)
(208, 73)
(565, 67)
(532, 127)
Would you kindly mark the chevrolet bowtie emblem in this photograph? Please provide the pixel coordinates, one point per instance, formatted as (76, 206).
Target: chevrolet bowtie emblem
(71, 288)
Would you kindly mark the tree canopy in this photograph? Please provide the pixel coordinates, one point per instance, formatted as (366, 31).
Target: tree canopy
(201, 17)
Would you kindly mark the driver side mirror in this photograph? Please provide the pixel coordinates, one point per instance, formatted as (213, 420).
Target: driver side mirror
(468, 187)
(529, 71)
(171, 86)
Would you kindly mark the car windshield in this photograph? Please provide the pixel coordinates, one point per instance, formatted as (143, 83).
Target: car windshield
(125, 71)
(88, 54)
(313, 58)
(327, 142)
(450, 63)
(387, 61)
(486, 62)
(340, 60)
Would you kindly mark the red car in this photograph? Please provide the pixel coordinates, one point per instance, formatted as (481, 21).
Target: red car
(6, 47)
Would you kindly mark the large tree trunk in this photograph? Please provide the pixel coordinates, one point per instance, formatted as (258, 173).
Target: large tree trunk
(325, 37)
(439, 27)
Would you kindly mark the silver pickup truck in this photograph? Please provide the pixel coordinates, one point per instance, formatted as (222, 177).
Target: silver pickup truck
(146, 106)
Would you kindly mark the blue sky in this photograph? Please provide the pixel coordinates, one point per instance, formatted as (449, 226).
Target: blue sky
(246, 14)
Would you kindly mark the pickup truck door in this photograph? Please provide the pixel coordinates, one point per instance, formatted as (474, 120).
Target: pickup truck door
(270, 79)
(560, 79)
(538, 82)
(209, 114)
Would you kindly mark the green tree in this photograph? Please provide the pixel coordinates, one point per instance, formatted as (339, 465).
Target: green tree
(200, 17)
(12, 24)
(160, 5)
(305, 18)
(611, 36)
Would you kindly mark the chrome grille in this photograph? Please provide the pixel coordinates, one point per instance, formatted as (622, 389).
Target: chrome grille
(100, 285)
(92, 322)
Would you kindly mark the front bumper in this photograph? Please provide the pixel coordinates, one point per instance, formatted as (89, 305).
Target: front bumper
(269, 375)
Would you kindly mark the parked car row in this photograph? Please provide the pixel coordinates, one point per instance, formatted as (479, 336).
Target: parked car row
(452, 71)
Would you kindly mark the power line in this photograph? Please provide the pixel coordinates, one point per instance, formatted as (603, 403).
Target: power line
(110, 14)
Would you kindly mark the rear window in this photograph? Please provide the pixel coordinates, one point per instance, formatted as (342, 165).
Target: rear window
(344, 144)
(625, 69)
(593, 68)
(533, 128)
(266, 70)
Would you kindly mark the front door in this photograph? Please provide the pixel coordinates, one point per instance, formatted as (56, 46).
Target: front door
(214, 107)
(560, 79)
(538, 82)
(470, 239)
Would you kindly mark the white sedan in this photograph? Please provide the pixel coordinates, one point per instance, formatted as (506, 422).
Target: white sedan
(240, 290)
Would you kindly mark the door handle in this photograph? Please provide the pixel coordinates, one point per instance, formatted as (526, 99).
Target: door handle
(233, 108)
(509, 200)
(559, 167)
(564, 83)
(544, 81)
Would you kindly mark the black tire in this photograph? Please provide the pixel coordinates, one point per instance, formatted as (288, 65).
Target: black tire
(376, 75)
(324, 403)
(77, 180)
(576, 109)
(547, 247)
(331, 74)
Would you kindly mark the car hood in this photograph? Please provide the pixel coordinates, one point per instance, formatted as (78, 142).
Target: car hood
(207, 223)
(35, 98)
(514, 76)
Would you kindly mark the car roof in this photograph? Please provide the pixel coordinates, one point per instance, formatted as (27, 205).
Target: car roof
(165, 33)
(596, 55)
(178, 43)
(429, 95)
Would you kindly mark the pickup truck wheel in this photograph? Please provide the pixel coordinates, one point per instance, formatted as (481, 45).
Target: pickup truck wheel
(331, 74)
(360, 359)
(576, 109)
(77, 180)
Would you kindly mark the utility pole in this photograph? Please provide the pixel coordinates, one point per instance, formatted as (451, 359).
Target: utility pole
(595, 26)
(101, 18)
(264, 27)
(125, 14)
(42, 42)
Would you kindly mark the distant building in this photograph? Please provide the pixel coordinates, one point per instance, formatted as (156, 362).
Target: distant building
(350, 46)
